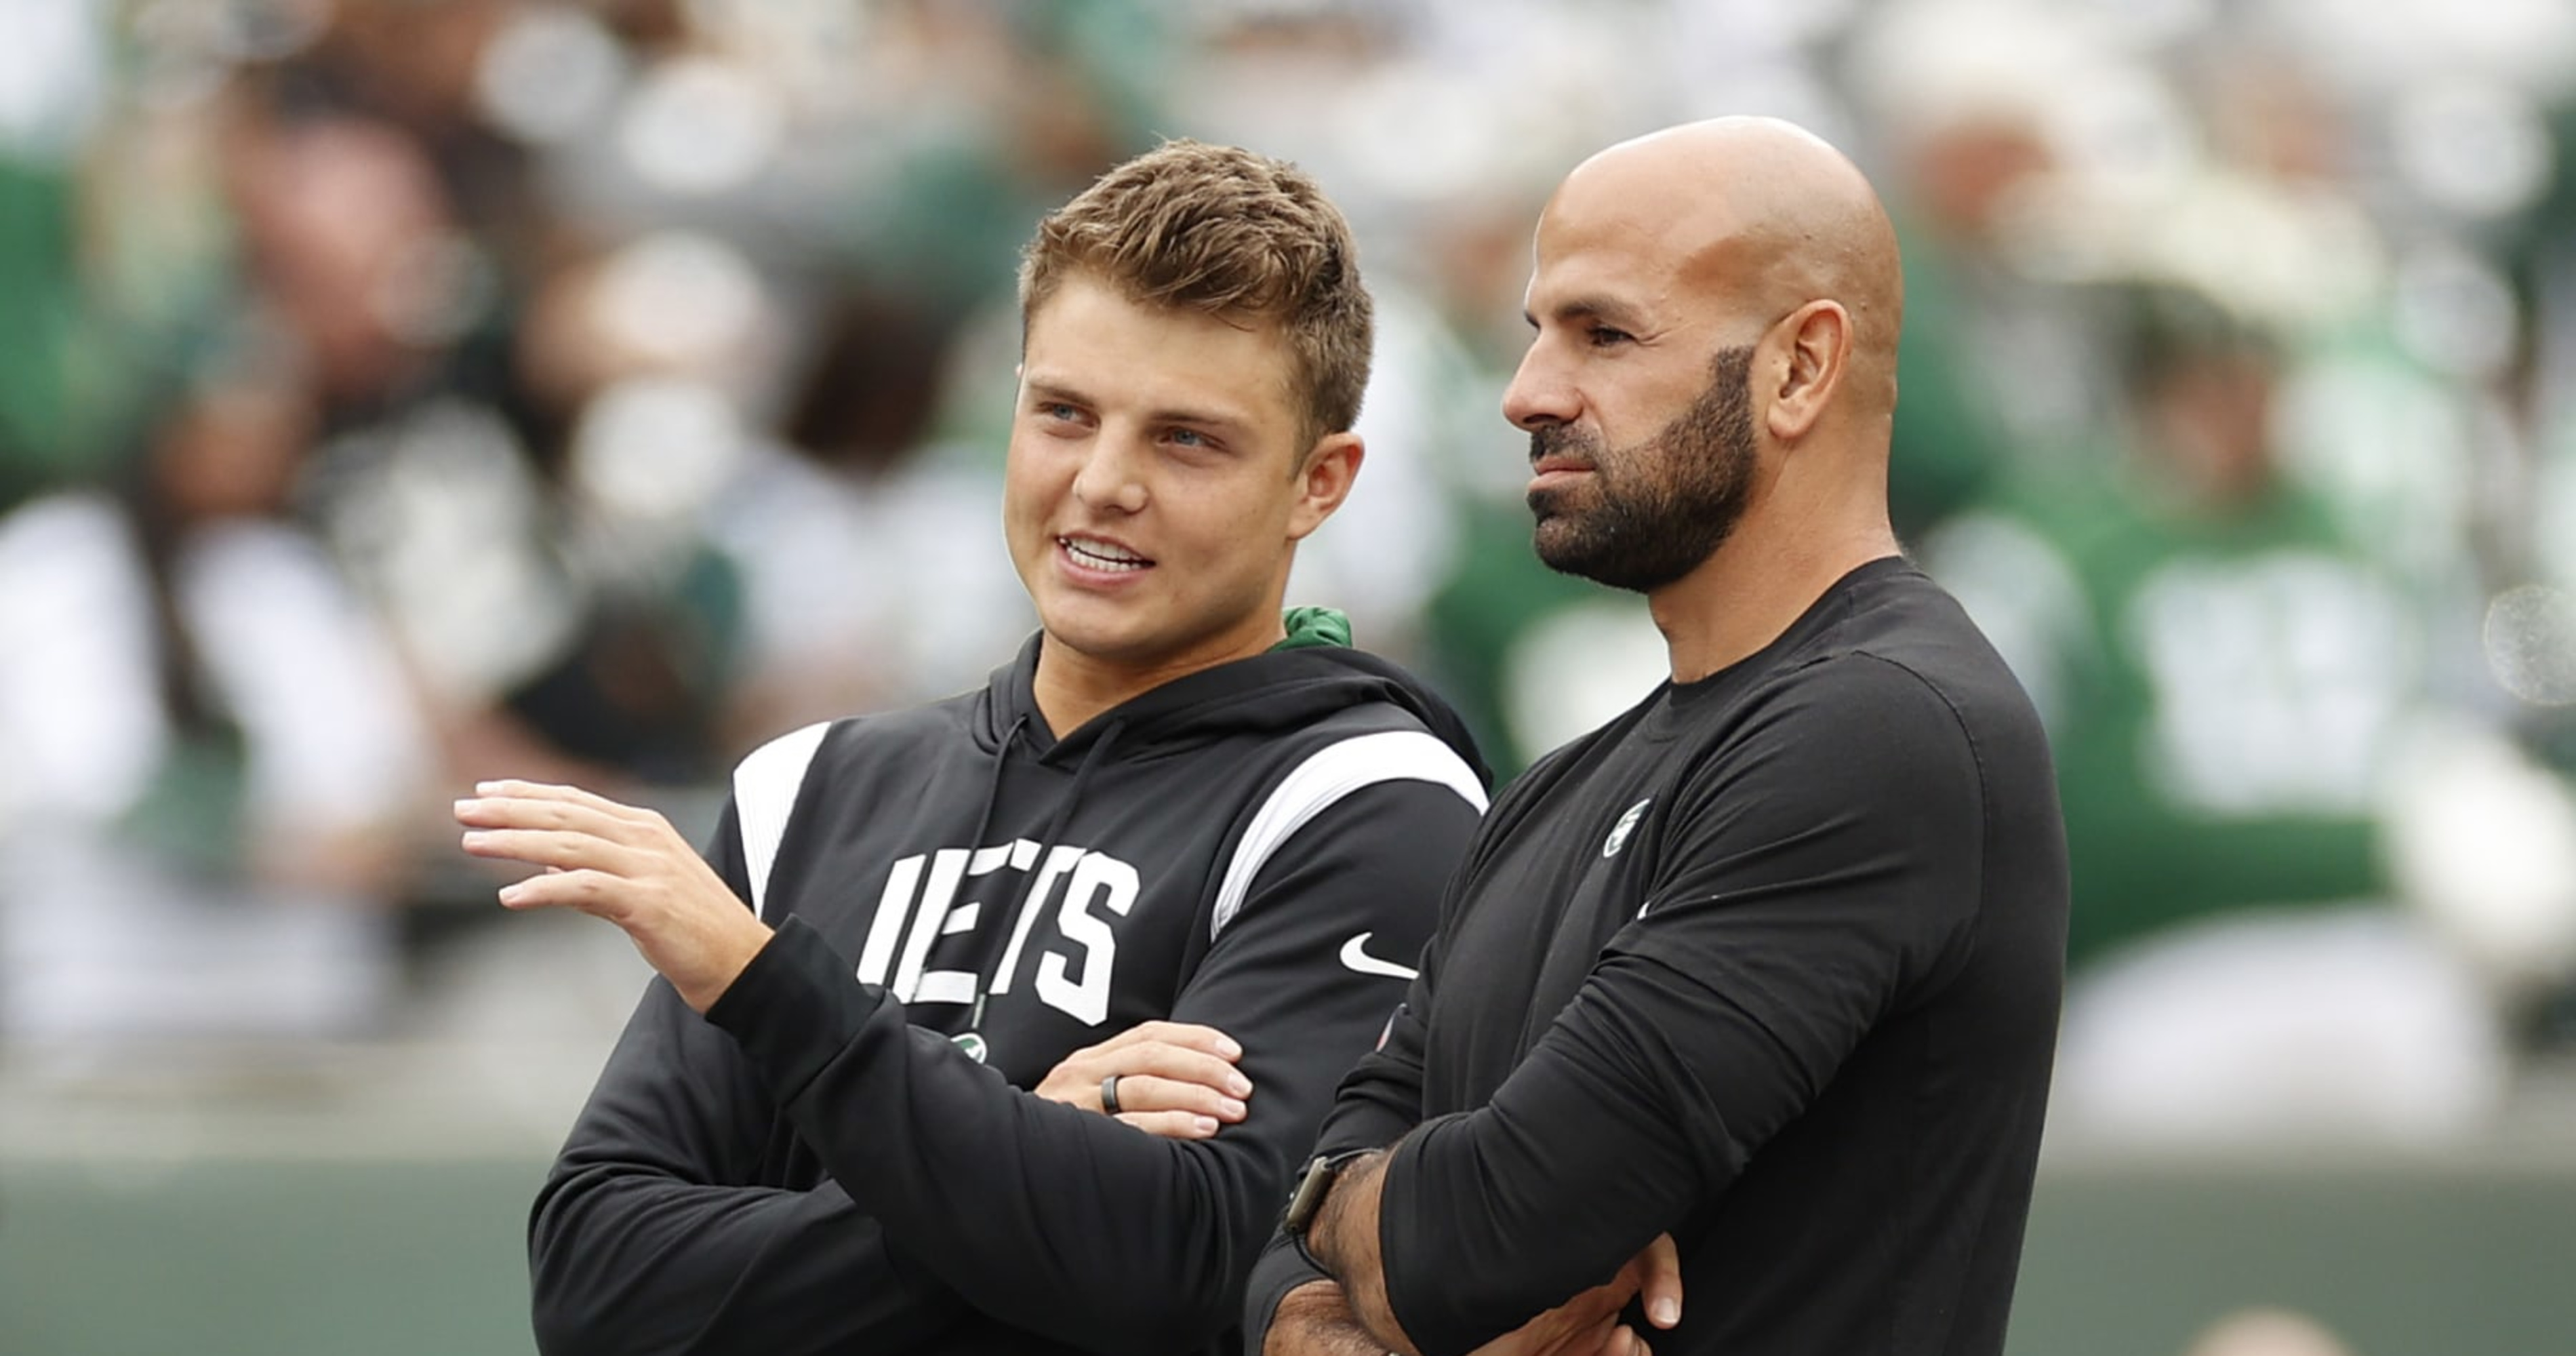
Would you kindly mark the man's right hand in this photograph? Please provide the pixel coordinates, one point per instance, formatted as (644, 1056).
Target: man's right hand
(1175, 1079)
(1588, 1324)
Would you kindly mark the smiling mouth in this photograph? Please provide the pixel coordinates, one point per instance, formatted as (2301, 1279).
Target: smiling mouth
(1101, 555)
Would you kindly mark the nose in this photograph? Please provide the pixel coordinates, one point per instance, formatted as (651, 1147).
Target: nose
(1539, 394)
(1112, 476)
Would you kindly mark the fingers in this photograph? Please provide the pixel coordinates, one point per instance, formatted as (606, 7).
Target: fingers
(1660, 1283)
(622, 863)
(535, 805)
(562, 827)
(588, 891)
(1615, 1339)
(1168, 1124)
(513, 789)
(555, 849)
(1163, 1067)
(1175, 1064)
(1186, 1035)
(1148, 1093)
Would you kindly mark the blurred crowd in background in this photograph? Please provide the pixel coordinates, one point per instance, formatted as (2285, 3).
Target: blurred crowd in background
(399, 393)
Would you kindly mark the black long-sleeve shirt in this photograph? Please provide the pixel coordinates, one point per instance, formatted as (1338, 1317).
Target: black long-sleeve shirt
(1771, 963)
(821, 1165)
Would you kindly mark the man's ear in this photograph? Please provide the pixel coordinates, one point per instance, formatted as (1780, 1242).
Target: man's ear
(1324, 479)
(1815, 341)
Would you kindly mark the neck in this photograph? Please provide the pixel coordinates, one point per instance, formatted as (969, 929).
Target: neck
(1072, 688)
(1762, 578)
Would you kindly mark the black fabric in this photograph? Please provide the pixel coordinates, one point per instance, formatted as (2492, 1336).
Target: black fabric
(817, 1167)
(1799, 1013)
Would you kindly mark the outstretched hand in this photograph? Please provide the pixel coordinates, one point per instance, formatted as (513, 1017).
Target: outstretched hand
(1175, 1079)
(624, 864)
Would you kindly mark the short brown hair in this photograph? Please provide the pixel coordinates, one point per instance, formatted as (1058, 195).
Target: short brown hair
(1222, 230)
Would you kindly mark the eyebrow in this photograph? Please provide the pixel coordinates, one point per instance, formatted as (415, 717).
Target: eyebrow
(1039, 388)
(1591, 307)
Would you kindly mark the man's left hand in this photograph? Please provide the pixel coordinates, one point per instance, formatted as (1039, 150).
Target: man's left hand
(624, 864)
(1588, 1324)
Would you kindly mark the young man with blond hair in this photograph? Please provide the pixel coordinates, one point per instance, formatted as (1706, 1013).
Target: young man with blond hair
(861, 1107)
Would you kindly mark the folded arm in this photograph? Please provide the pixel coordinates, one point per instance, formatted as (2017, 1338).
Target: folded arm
(1033, 1211)
(644, 1238)
(1811, 880)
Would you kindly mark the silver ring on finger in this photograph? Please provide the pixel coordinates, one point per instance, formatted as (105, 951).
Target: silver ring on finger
(1109, 1095)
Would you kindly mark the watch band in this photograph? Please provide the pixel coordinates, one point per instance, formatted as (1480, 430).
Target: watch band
(1307, 1201)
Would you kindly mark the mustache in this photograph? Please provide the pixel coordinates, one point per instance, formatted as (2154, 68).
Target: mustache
(1561, 440)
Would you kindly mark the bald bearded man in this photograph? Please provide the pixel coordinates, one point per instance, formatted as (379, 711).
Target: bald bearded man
(1739, 1015)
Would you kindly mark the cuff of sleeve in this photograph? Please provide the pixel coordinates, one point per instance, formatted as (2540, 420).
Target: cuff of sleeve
(1406, 1254)
(794, 1008)
(1283, 1267)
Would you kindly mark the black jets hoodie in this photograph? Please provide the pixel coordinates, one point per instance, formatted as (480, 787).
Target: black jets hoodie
(842, 1155)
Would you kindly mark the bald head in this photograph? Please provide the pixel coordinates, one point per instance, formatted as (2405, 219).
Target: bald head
(1710, 384)
(1759, 215)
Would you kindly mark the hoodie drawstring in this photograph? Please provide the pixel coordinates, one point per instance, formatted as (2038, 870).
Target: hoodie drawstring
(993, 789)
(1010, 919)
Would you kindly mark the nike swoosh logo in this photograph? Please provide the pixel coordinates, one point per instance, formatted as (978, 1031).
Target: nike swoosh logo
(1358, 959)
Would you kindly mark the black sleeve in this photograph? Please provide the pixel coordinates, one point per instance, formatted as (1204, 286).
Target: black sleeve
(1814, 872)
(644, 1238)
(1065, 1221)
(641, 1241)
(1378, 1101)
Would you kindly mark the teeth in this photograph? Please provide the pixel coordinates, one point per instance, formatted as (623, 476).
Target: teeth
(1102, 555)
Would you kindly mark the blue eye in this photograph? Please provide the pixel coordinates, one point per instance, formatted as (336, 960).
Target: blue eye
(1189, 437)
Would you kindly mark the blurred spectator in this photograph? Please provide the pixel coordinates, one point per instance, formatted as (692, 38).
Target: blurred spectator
(2232, 689)
(2223, 673)
(41, 328)
(1983, 108)
(863, 540)
(68, 359)
(451, 483)
(211, 752)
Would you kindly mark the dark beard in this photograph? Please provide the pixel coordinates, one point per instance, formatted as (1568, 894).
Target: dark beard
(1651, 512)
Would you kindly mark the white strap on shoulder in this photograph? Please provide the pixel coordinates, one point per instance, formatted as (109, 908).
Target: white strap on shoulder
(764, 792)
(1322, 780)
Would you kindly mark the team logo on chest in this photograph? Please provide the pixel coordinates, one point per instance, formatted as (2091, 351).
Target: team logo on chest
(921, 904)
(1627, 825)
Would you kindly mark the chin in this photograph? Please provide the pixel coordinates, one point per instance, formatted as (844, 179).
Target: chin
(1559, 543)
(1086, 632)
(1087, 635)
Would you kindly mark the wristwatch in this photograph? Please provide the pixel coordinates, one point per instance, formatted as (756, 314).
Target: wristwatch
(1307, 1200)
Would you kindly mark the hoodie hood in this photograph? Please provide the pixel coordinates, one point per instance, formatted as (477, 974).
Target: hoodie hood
(1281, 689)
